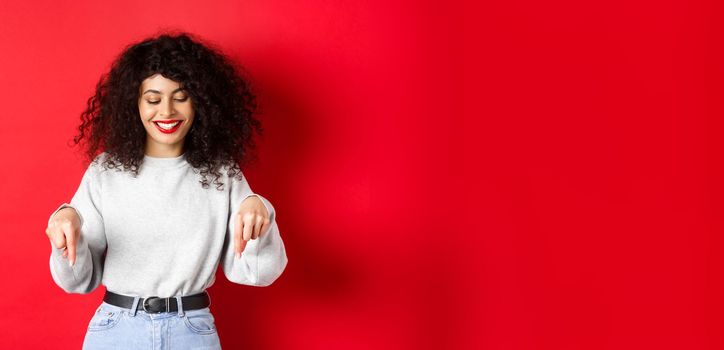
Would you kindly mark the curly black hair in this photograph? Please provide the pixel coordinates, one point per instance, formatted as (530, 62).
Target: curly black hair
(221, 136)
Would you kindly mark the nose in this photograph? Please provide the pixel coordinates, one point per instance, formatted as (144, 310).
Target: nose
(167, 108)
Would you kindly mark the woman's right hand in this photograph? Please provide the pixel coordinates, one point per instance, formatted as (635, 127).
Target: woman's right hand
(63, 232)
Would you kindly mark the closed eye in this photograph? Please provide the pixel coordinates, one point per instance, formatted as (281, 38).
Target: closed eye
(176, 99)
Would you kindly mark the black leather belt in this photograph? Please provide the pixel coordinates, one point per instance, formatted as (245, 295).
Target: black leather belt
(155, 305)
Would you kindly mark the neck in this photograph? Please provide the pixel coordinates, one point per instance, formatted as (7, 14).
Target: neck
(163, 150)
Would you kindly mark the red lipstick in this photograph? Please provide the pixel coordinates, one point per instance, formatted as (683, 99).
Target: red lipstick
(167, 122)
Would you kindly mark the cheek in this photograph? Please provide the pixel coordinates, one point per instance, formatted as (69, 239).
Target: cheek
(187, 111)
(146, 113)
(188, 114)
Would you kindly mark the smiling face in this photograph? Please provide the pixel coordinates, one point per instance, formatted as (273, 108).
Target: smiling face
(166, 113)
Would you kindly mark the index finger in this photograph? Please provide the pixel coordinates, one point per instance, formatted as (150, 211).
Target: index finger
(239, 243)
(70, 239)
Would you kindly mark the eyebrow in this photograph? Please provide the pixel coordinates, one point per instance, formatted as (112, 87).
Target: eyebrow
(158, 92)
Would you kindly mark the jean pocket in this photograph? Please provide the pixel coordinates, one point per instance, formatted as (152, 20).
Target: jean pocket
(200, 321)
(104, 318)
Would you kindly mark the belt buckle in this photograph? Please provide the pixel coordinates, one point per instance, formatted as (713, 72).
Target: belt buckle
(145, 300)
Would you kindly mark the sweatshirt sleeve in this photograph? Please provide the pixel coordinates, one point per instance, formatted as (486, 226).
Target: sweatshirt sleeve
(264, 258)
(85, 275)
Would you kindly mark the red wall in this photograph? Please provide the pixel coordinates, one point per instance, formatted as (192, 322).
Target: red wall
(523, 175)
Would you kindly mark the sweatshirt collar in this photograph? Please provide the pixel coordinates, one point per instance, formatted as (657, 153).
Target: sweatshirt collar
(164, 162)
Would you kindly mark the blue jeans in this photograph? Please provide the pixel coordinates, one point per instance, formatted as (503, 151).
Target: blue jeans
(114, 327)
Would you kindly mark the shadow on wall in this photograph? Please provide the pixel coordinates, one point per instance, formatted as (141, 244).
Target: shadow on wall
(287, 109)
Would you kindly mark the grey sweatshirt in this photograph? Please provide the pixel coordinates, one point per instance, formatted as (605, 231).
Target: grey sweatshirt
(162, 234)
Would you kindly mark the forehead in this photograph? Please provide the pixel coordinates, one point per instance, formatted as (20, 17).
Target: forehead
(160, 83)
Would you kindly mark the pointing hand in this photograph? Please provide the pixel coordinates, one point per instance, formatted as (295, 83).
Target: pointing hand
(63, 232)
(252, 220)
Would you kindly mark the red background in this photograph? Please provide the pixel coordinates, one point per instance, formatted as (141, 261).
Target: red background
(521, 175)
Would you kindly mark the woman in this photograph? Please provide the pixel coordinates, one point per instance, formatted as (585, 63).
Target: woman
(170, 115)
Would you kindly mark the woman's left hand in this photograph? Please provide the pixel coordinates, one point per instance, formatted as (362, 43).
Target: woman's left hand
(252, 220)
